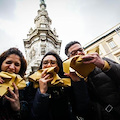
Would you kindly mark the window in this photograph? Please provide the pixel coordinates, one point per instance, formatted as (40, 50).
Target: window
(118, 57)
(112, 44)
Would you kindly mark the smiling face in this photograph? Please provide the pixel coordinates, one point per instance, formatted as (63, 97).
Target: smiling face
(11, 64)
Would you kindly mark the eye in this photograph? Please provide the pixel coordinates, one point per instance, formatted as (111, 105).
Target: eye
(45, 62)
(81, 49)
(53, 62)
(17, 64)
(73, 52)
(8, 62)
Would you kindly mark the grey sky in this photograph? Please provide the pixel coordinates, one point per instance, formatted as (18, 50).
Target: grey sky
(7, 9)
(81, 20)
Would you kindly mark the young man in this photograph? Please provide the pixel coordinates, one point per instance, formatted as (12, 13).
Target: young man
(103, 84)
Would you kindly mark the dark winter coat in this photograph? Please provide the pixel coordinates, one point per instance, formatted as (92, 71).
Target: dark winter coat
(59, 103)
(6, 112)
(104, 93)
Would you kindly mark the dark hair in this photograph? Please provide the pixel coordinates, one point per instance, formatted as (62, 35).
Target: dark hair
(69, 45)
(59, 62)
(15, 51)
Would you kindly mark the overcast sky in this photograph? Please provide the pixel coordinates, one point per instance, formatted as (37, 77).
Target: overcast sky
(81, 20)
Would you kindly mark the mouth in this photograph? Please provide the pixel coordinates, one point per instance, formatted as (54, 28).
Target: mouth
(9, 71)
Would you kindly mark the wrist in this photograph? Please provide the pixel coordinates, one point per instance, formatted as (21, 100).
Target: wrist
(102, 64)
(42, 91)
(106, 66)
(17, 109)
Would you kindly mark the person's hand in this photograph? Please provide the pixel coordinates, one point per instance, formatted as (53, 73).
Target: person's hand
(1, 80)
(95, 59)
(43, 81)
(73, 76)
(14, 98)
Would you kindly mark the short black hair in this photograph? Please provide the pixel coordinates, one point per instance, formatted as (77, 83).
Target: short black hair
(69, 45)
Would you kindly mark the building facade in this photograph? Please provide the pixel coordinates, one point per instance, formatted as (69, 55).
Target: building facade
(108, 44)
(40, 40)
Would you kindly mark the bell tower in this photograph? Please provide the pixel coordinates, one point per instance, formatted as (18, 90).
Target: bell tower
(41, 39)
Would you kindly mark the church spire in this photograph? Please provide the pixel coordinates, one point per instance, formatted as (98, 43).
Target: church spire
(42, 4)
(40, 40)
(42, 20)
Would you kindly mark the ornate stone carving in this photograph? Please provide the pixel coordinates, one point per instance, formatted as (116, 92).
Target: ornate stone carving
(32, 53)
(31, 30)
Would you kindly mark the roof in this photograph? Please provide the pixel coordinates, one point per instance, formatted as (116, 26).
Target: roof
(108, 32)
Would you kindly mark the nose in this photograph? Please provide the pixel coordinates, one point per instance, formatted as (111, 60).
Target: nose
(12, 66)
(79, 53)
(49, 65)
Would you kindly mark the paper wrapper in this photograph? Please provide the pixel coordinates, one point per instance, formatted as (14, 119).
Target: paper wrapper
(57, 81)
(9, 79)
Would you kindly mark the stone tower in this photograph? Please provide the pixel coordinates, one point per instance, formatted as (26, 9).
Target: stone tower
(40, 40)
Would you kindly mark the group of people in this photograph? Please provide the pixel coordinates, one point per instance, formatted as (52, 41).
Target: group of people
(96, 97)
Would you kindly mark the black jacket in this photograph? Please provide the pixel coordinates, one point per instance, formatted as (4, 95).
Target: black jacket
(6, 112)
(104, 93)
(60, 103)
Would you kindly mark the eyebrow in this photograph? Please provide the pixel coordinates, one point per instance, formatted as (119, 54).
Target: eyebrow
(75, 50)
(49, 60)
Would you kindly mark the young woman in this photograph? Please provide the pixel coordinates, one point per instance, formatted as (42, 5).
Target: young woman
(57, 103)
(12, 61)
